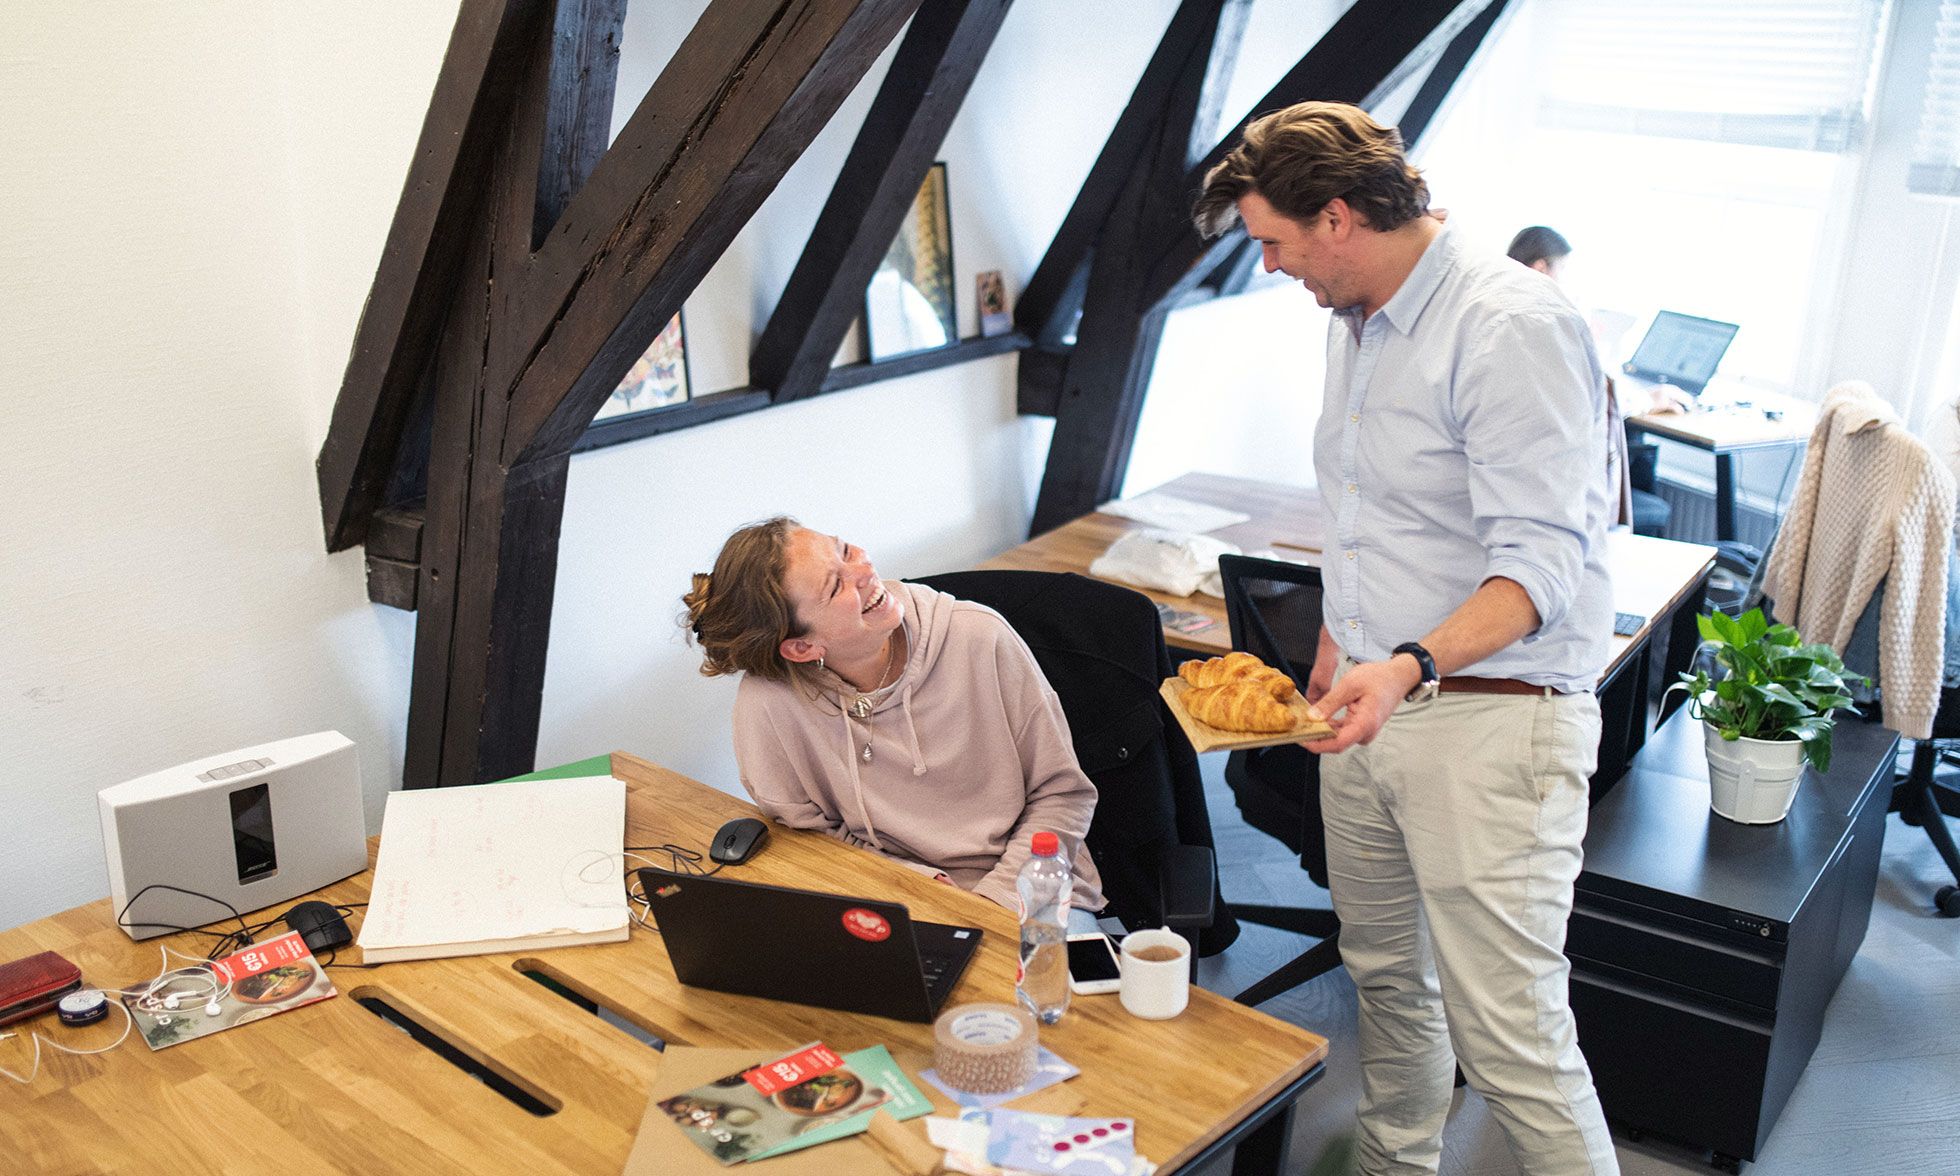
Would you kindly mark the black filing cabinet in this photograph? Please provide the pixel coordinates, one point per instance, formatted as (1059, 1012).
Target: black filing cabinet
(1703, 951)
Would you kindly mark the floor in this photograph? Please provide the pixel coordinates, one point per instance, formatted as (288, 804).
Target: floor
(1882, 1092)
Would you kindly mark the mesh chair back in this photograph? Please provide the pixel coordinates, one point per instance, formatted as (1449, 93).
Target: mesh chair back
(1273, 608)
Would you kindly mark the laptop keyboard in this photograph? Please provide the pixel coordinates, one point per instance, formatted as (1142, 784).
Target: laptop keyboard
(934, 966)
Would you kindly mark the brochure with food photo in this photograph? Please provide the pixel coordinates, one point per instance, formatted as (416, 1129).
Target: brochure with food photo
(253, 984)
(795, 1100)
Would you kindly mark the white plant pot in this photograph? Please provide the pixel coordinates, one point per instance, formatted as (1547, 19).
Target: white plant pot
(1752, 781)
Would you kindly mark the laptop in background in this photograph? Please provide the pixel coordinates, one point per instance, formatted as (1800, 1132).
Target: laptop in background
(858, 955)
(1681, 350)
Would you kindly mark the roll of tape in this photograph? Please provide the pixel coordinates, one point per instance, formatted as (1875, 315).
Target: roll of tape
(984, 1048)
(82, 1007)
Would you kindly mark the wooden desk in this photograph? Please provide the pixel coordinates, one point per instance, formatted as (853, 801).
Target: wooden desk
(1284, 518)
(333, 1088)
(1726, 430)
(1651, 577)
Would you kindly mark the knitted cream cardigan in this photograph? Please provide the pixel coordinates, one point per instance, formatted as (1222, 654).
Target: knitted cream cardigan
(1873, 504)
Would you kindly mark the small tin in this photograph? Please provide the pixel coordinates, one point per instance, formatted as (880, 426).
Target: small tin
(83, 1007)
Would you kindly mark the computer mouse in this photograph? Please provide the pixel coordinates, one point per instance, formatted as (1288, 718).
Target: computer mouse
(319, 925)
(738, 841)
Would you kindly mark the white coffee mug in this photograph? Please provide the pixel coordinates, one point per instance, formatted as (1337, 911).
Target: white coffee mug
(1156, 988)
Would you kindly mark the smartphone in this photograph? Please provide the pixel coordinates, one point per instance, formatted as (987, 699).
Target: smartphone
(1092, 966)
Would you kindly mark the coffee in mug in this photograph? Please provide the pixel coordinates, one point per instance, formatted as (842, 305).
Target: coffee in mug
(1156, 980)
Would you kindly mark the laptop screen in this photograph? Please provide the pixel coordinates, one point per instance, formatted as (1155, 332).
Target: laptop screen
(1681, 349)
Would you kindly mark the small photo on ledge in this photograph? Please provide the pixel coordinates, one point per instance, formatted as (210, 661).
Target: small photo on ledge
(992, 293)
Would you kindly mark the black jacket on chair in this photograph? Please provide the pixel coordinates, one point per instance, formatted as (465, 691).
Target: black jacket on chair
(1101, 647)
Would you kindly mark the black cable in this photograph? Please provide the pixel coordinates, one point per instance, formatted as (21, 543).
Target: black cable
(120, 915)
(681, 860)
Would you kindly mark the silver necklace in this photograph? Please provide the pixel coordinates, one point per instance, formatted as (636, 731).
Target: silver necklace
(861, 706)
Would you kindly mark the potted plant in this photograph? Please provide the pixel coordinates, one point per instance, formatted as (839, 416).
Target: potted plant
(1767, 715)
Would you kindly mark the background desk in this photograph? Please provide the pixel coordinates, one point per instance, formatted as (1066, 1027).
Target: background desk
(1657, 579)
(333, 1088)
(1727, 431)
(1652, 578)
(1704, 952)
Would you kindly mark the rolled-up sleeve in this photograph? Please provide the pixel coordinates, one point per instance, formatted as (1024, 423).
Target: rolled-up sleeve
(1531, 409)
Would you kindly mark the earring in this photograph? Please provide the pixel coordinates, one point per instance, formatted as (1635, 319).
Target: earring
(820, 661)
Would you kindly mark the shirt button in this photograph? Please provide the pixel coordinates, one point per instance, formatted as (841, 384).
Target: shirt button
(1350, 555)
(1350, 487)
(1354, 624)
(1354, 416)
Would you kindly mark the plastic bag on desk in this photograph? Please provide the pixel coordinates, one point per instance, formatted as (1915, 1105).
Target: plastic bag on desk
(1176, 562)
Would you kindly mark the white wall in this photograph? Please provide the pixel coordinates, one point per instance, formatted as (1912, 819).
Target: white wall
(196, 197)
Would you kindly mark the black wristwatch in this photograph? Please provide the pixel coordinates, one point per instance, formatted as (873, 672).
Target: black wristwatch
(1431, 683)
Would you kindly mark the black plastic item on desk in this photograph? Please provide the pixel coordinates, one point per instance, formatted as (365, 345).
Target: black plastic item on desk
(320, 925)
(738, 841)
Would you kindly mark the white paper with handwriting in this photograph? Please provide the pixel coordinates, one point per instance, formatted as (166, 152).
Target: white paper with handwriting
(519, 866)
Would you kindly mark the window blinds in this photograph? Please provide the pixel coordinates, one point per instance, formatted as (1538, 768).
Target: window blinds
(1936, 157)
(1796, 73)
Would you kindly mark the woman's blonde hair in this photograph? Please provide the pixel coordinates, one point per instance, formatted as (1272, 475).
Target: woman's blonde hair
(739, 614)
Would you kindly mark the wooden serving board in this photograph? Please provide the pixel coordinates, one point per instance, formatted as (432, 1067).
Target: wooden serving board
(1205, 737)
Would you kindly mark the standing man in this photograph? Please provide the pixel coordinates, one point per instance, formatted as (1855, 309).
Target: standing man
(1460, 454)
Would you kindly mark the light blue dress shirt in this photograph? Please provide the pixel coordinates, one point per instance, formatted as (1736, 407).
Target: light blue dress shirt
(1463, 436)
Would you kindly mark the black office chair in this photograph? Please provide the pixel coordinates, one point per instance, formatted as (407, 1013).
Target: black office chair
(1273, 608)
(1651, 512)
(1101, 647)
(1918, 796)
(1922, 800)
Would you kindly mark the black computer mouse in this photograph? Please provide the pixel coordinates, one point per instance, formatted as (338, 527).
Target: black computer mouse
(319, 925)
(738, 841)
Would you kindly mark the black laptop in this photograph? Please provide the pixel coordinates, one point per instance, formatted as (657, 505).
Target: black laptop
(1681, 350)
(833, 951)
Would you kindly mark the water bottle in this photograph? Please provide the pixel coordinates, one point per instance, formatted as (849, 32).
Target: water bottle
(1045, 886)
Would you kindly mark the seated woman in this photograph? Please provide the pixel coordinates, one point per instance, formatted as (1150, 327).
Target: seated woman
(888, 715)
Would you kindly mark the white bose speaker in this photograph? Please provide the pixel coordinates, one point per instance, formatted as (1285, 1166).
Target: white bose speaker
(251, 828)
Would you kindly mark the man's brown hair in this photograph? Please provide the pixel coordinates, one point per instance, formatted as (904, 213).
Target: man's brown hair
(1302, 157)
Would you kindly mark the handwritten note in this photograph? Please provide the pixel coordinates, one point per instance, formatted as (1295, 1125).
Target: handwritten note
(498, 867)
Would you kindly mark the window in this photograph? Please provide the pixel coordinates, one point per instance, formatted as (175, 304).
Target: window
(1936, 155)
(1697, 155)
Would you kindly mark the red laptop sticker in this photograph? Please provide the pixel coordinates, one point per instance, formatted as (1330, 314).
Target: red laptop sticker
(869, 926)
(793, 1070)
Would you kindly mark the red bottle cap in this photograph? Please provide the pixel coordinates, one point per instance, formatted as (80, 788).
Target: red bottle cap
(1046, 844)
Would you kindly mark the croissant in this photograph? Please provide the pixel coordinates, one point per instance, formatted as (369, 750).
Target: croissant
(1237, 666)
(1238, 706)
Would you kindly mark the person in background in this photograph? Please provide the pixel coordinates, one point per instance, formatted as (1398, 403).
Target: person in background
(1461, 437)
(1541, 248)
(890, 716)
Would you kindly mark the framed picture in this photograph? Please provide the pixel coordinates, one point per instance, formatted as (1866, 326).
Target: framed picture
(658, 379)
(992, 292)
(909, 305)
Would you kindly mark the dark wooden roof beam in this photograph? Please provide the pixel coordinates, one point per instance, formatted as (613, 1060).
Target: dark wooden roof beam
(921, 93)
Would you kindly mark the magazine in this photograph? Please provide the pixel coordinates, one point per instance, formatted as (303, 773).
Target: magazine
(258, 982)
(757, 1111)
(879, 1072)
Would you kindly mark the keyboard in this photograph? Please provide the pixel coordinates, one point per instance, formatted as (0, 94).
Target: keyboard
(1627, 624)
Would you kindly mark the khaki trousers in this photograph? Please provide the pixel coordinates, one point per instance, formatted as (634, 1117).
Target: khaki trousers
(1453, 841)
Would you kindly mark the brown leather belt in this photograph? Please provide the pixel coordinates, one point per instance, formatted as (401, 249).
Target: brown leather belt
(1494, 686)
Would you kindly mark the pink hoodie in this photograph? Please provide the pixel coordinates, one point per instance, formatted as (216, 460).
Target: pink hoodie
(970, 755)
